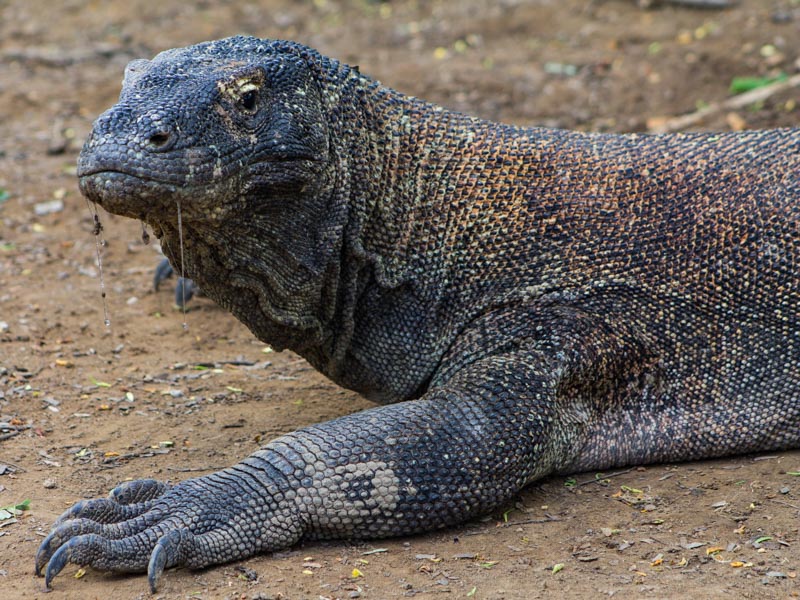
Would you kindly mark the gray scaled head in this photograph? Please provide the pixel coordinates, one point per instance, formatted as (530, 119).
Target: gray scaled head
(208, 124)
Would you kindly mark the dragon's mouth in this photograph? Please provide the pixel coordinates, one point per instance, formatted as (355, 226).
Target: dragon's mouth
(155, 201)
(130, 191)
(85, 172)
(128, 195)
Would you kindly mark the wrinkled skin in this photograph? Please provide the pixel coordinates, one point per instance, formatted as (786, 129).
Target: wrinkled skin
(523, 301)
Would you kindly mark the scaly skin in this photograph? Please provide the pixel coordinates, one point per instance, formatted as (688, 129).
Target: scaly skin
(539, 300)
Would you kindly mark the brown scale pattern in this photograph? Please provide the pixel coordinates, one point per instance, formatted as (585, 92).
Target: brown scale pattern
(526, 301)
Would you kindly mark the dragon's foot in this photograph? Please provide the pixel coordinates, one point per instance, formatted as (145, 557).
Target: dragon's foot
(185, 289)
(147, 525)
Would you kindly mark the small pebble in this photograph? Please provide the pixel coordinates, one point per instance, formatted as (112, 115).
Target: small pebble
(779, 17)
(46, 208)
(49, 484)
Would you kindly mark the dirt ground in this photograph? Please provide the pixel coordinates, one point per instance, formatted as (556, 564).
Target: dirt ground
(84, 406)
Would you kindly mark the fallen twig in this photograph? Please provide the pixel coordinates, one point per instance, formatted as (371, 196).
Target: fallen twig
(13, 466)
(547, 519)
(682, 122)
(709, 4)
(218, 364)
(604, 477)
(701, 4)
(784, 503)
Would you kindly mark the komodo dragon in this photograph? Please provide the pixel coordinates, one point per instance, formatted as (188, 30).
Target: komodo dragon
(523, 301)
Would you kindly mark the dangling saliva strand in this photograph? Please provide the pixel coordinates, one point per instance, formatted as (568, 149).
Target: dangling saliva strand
(99, 243)
(183, 273)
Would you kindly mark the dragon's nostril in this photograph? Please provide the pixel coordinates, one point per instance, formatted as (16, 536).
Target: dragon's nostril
(159, 140)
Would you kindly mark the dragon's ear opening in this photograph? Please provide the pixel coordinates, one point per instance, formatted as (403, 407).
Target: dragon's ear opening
(134, 70)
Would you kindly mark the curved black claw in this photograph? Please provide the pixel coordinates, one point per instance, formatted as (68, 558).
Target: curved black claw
(64, 531)
(171, 550)
(150, 526)
(65, 555)
(185, 289)
(91, 549)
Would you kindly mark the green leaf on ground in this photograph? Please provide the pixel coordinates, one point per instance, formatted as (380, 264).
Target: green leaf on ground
(12, 510)
(740, 85)
(99, 383)
(762, 539)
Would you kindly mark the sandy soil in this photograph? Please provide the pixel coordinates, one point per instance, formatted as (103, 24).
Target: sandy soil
(84, 406)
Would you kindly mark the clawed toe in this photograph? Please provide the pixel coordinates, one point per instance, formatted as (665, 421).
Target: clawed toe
(103, 510)
(78, 550)
(170, 551)
(129, 555)
(140, 490)
(65, 531)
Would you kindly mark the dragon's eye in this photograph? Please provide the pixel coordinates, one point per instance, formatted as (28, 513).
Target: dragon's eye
(248, 100)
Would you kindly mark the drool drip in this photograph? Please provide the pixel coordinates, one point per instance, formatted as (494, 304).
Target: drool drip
(99, 242)
(183, 273)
